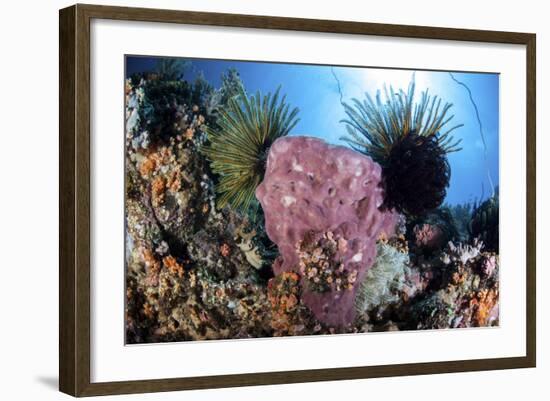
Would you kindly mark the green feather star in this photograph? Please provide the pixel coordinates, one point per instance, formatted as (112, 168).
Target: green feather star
(239, 144)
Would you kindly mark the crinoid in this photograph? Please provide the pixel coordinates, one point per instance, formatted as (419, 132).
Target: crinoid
(407, 139)
(416, 175)
(485, 221)
(239, 144)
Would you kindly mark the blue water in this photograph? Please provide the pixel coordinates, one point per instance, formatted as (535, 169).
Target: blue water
(314, 90)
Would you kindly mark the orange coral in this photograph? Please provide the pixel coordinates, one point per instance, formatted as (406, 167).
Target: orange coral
(152, 264)
(148, 310)
(484, 303)
(225, 250)
(174, 181)
(162, 156)
(283, 298)
(150, 261)
(154, 160)
(147, 167)
(158, 188)
(460, 276)
(173, 266)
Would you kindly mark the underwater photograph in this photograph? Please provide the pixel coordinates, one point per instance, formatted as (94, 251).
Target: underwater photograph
(269, 199)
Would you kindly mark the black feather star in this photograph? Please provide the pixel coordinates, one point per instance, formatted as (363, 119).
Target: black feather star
(416, 175)
(407, 139)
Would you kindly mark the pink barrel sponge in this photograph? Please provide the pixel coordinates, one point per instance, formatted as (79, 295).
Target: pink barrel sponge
(313, 187)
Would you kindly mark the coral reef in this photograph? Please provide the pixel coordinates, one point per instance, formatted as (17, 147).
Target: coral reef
(454, 287)
(231, 87)
(188, 275)
(250, 250)
(236, 229)
(468, 295)
(184, 304)
(322, 191)
(158, 110)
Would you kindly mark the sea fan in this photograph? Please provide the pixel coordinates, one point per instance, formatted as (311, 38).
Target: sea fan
(239, 144)
(408, 141)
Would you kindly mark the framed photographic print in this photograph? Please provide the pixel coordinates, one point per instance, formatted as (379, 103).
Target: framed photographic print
(250, 200)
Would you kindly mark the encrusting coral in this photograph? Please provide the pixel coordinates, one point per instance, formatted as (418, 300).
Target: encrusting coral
(320, 264)
(288, 315)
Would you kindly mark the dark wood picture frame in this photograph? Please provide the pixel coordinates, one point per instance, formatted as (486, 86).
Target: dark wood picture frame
(74, 200)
